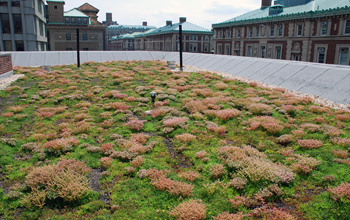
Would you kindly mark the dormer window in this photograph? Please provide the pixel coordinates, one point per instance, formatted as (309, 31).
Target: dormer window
(67, 20)
(73, 20)
(85, 20)
(79, 20)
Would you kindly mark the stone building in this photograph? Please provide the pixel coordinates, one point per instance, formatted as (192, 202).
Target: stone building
(119, 30)
(195, 38)
(123, 42)
(22, 25)
(62, 27)
(302, 30)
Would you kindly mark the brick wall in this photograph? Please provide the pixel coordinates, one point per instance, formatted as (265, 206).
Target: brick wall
(5, 63)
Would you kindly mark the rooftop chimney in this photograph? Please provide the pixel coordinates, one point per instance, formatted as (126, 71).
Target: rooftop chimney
(265, 4)
(168, 23)
(182, 19)
(144, 23)
(108, 18)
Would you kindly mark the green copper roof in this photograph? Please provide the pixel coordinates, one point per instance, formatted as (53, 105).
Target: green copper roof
(316, 6)
(75, 13)
(125, 36)
(143, 33)
(187, 27)
(55, 1)
(130, 27)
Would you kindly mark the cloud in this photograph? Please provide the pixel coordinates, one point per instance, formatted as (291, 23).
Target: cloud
(200, 12)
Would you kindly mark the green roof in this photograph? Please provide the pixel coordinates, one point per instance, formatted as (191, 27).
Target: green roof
(130, 27)
(75, 13)
(187, 27)
(125, 36)
(316, 7)
(55, 1)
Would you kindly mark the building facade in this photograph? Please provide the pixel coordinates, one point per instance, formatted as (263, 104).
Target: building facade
(123, 42)
(62, 27)
(302, 30)
(119, 30)
(22, 25)
(195, 38)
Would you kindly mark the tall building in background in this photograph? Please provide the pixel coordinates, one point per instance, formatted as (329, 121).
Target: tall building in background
(22, 25)
(301, 30)
(115, 31)
(62, 27)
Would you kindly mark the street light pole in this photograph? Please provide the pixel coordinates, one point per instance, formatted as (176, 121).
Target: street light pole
(78, 49)
(180, 36)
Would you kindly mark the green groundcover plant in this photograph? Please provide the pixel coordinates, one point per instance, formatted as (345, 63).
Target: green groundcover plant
(90, 144)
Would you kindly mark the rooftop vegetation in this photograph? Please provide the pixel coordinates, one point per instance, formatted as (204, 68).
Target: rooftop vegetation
(89, 143)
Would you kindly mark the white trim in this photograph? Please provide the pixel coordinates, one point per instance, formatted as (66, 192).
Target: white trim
(337, 53)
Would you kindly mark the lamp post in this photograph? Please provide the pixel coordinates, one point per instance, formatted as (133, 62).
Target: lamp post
(180, 36)
(78, 49)
(153, 96)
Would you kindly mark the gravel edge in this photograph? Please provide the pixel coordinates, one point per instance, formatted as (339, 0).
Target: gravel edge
(4, 83)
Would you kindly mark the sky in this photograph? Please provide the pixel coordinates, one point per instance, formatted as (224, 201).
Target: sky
(200, 12)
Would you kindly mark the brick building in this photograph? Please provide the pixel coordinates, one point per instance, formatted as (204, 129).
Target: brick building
(62, 27)
(119, 30)
(22, 25)
(303, 30)
(195, 38)
(123, 42)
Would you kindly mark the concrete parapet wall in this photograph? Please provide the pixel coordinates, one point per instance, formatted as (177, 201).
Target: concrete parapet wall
(327, 81)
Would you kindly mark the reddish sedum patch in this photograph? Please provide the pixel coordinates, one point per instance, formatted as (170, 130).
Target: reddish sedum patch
(135, 125)
(340, 153)
(174, 122)
(61, 144)
(342, 191)
(311, 144)
(191, 209)
(186, 137)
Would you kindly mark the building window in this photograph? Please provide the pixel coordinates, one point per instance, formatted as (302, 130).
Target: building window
(85, 37)
(40, 6)
(280, 30)
(8, 45)
(250, 51)
(227, 49)
(299, 29)
(206, 48)
(193, 47)
(41, 30)
(263, 51)
(343, 56)
(228, 34)
(296, 57)
(3, 4)
(67, 20)
(79, 20)
(17, 19)
(193, 37)
(68, 37)
(219, 49)
(220, 34)
(84, 20)
(251, 32)
(5, 22)
(272, 30)
(16, 3)
(347, 27)
(206, 38)
(69, 49)
(257, 31)
(55, 7)
(321, 55)
(278, 52)
(73, 20)
(238, 33)
(324, 28)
